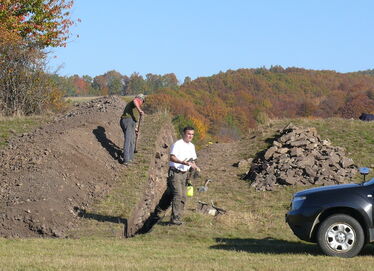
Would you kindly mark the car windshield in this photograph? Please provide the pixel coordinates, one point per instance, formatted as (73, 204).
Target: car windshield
(370, 182)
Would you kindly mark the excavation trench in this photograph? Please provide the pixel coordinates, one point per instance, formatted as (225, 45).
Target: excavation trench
(138, 222)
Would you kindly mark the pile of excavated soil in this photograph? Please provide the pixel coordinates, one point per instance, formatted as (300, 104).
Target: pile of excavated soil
(300, 157)
(63, 166)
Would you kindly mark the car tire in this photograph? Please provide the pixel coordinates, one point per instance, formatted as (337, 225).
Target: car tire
(341, 236)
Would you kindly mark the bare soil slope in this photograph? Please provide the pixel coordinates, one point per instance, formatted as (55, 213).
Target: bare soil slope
(47, 174)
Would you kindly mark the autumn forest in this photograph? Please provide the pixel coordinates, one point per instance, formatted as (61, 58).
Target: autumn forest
(226, 104)
(221, 106)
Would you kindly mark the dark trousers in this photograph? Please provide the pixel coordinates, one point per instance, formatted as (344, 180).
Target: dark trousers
(128, 128)
(175, 195)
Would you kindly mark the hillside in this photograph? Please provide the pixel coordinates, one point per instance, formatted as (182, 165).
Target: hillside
(225, 105)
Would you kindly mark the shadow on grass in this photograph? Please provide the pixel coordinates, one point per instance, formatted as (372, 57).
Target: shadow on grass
(274, 246)
(101, 218)
(266, 245)
(368, 250)
(112, 148)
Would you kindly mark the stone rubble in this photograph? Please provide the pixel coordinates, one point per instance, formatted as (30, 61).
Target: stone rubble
(300, 157)
(102, 104)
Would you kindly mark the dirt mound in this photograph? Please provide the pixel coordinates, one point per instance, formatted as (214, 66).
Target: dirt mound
(49, 173)
(300, 156)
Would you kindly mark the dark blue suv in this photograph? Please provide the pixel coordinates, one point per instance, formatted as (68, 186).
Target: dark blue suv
(339, 218)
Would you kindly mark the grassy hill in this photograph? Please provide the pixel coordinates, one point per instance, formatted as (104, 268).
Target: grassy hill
(251, 236)
(226, 104)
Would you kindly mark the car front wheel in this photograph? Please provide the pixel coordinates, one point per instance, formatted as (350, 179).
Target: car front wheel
(341, 235)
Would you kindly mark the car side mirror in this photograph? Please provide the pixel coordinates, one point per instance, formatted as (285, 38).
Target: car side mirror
(364, 171)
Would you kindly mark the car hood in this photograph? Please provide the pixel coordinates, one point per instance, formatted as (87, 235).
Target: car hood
(325, 188)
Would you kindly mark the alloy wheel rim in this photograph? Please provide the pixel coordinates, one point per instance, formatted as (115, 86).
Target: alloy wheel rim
(340, 237)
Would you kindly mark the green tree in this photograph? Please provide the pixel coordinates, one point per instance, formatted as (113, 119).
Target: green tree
(187, 80)
(154, 82)
(100, 84)
(115, 82)
(136, 84)
(169, 80)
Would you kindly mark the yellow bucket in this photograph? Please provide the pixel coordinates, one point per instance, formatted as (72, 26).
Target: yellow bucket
(189, 191)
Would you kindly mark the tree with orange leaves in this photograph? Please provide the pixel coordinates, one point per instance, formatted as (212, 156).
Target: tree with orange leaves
(39, 22)
(26, 28)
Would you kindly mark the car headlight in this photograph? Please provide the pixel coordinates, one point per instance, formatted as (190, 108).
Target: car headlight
(297, 202)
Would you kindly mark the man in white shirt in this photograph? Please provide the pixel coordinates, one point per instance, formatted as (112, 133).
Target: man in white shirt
(182, 157)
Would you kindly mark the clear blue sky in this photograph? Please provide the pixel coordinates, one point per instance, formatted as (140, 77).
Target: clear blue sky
(203, 37)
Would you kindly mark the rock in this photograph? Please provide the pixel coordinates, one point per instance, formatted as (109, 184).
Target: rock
(306, 161)
(285, 180)
(270, 179)
(312, 131)
(299, 143)
(282, 150)
(296, 152)
(287, 138)
(312, 140)
(269, 153)
(334, 158)
(277, 144)
(322, 156)
(310, 172)
(346, 162)
(311, 146)
(245, 163)
(326, 143)
(340, 180)
(290, 127)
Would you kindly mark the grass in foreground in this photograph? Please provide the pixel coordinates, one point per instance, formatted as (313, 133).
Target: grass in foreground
(148, 253)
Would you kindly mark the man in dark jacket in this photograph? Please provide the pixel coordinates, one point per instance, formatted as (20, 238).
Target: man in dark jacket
(128, 124)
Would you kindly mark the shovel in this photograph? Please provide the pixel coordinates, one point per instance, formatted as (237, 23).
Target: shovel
(205, 187)
(137, 134)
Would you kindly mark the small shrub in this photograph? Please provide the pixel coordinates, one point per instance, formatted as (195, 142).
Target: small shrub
(261, 117)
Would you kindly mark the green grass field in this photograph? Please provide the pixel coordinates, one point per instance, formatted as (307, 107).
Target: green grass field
(251, 236)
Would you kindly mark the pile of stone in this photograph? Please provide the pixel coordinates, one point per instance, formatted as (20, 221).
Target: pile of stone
(300, 157)
(102, 104)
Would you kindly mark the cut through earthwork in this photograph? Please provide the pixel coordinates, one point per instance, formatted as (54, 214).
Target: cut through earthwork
(52, 174)
(154, 187)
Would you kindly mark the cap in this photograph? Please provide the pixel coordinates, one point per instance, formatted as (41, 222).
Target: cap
(141, 96)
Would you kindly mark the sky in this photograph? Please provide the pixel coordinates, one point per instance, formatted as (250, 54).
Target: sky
(203, 37)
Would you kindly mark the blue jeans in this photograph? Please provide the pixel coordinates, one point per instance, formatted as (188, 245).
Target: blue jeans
(128, 128)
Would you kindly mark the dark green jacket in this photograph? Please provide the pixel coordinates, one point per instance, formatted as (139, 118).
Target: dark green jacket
(129, 111)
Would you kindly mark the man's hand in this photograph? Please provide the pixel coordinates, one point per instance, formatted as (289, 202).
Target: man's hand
(193, 165)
